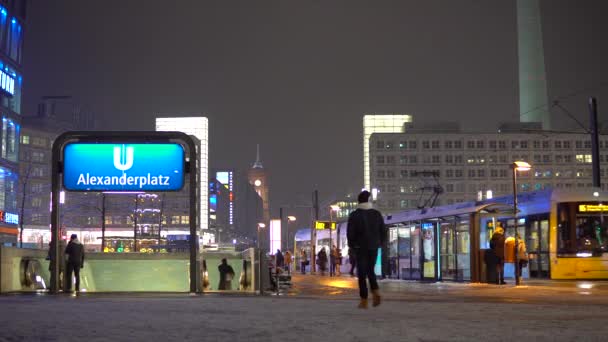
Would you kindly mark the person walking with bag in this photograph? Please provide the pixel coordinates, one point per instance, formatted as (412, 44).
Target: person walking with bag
(366, 233)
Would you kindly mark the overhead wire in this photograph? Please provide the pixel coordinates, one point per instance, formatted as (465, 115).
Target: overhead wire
(557, 103)
(564, 97)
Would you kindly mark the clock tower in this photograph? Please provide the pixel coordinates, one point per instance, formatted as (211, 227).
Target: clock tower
(258, 177)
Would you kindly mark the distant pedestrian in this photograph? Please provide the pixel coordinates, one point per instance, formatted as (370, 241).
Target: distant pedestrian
(332, 260)
(497, 244)
(303, 261)
(366, 233)
(352, 258)
(226, 275)
(337, 260)
(522, 255)
(288, 261)
(75, 261)
(280, 260)
(322, 261)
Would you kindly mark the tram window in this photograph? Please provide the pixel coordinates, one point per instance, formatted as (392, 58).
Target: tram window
(581, 233)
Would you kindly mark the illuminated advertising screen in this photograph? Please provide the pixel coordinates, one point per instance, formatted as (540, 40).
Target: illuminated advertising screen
(222, 177)
(275, 235)
(123, 167)
(226, 178)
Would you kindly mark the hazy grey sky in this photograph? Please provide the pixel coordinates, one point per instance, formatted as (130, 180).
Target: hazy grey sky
(297, 76)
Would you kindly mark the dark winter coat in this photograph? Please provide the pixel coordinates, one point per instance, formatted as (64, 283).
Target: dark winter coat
(366, 229)
(225, 272)
(75, 253)
(497, 244)
(322, 259)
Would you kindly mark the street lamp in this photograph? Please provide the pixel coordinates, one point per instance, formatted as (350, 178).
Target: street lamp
(517, 166)
(260, 226)
(289, 219)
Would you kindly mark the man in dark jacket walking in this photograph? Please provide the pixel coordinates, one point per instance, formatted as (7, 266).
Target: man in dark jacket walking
(75, 261)
(366, 233)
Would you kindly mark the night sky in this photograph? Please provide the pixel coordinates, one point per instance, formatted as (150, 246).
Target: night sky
(297, 76)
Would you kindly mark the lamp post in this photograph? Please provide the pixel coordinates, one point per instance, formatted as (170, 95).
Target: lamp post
(289, 219)
(517, 166)
(260, 227)
(293, 258)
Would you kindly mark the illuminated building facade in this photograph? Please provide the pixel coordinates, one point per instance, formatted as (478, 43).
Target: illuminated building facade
(199, 128)
(474, 166)
(226, 178)
(12, 22)
(219, 210)
(346, 205)
(379, 123)
(258, 177)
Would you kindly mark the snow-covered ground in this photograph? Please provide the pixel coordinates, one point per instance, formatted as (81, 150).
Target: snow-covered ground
(287, 318)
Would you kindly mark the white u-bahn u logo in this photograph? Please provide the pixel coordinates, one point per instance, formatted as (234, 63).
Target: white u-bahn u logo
(123, 157)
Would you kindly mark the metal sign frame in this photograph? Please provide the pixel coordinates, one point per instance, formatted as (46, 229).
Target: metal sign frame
(140, 137)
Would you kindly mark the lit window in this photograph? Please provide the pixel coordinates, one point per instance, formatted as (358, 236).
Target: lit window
(583, 158)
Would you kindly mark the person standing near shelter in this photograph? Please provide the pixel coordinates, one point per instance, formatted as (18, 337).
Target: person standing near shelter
(288, 261)
(280, 260)
(303, 260)
(522, 256)
(366, 233)
(352, 258)
(497, 244)
(322, 261)
(332, 260)
(75, 261)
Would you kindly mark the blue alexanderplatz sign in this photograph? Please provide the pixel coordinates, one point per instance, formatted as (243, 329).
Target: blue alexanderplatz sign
(123, 167)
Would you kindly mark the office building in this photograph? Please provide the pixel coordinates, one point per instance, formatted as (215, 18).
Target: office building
(199, 128)
(437, 166)
(379, 123)
(12, 23)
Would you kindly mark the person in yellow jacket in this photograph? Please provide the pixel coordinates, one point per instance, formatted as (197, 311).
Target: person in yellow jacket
(288, 261)
(522, 254)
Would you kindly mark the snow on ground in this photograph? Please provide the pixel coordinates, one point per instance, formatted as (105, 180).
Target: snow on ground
(268, 318)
